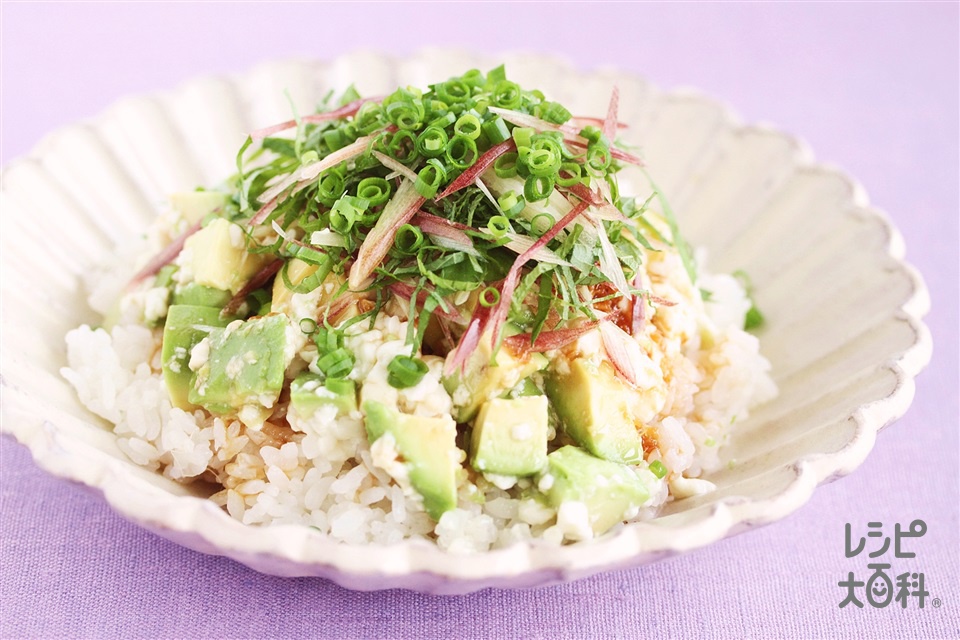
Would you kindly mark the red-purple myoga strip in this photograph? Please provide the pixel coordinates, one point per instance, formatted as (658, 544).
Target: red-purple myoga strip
(499, 314)
(166, 255)
(610, 122)
(622, 350)
(483, 163)
(549, 340)
(259, 279)
(638, 311)
(457, 358)
(405, 202)
(437, 226)
(345, 111)
(309, 172)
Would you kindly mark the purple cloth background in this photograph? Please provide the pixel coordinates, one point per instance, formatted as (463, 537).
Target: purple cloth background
(872, 88)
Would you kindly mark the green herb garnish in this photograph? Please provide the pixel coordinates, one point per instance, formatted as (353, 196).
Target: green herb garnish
(496, 162)
(754, 318)
(404, 372)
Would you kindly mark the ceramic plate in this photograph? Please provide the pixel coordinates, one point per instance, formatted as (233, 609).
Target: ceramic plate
(844, 331)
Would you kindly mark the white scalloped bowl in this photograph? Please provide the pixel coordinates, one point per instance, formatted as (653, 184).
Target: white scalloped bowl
(844, 330)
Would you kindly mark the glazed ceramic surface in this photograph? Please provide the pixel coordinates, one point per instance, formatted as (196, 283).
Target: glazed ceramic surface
(843, 333)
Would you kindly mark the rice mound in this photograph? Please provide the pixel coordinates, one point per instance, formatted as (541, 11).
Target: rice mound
(322, 472)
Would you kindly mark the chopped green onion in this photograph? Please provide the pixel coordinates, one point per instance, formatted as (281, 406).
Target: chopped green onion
(511, 204)
(326, 340)
(432, 142)
(403, 146)
(435, 107)
(330, 187)
(335, 139)
(598, 158)
(489, 297)
(308, 325)
(453, 91)
(429, 180)
(523, 136)
(474, 78)
(499, 226)
(496, 130)
(554, 112)
(337, 363)
(462, 152)
(547, 140)
(495, 76)
(350, 94)
(369, 118)
(406, 114)
(507, 95)
(657, 469)
(309, 157)
(408, 240)
(375, 190)
(404, 372)
(569, 174)
(542, 222)
(506, 165)
(445, 120)
(346, 212)
(468, 125)
(537, 188)
(592, 134)
(543, 162)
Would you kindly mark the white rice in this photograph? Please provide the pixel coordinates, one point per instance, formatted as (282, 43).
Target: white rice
(321, 471)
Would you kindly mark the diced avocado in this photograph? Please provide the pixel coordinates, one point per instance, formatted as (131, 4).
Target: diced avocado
(309, 392)
(219, 257)
(481, 380)
(510, 436)
(201, 296)
(427, 450)
(610, 491)
(591, 403)
(186, 326)
(194, 206)
(526, 387)
(297, 271)
(244, 366)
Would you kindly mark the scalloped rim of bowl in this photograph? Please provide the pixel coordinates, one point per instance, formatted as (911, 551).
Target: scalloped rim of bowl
(288, 550)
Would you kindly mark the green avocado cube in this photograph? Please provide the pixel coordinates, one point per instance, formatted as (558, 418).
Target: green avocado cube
(609, 491)
(482, 380)
(510, 436)
(194, 206)
(309, 392)
(186, 325)
(201, 296)
(526, 387)
(425, 447)
(591, 403)
(244, 367)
